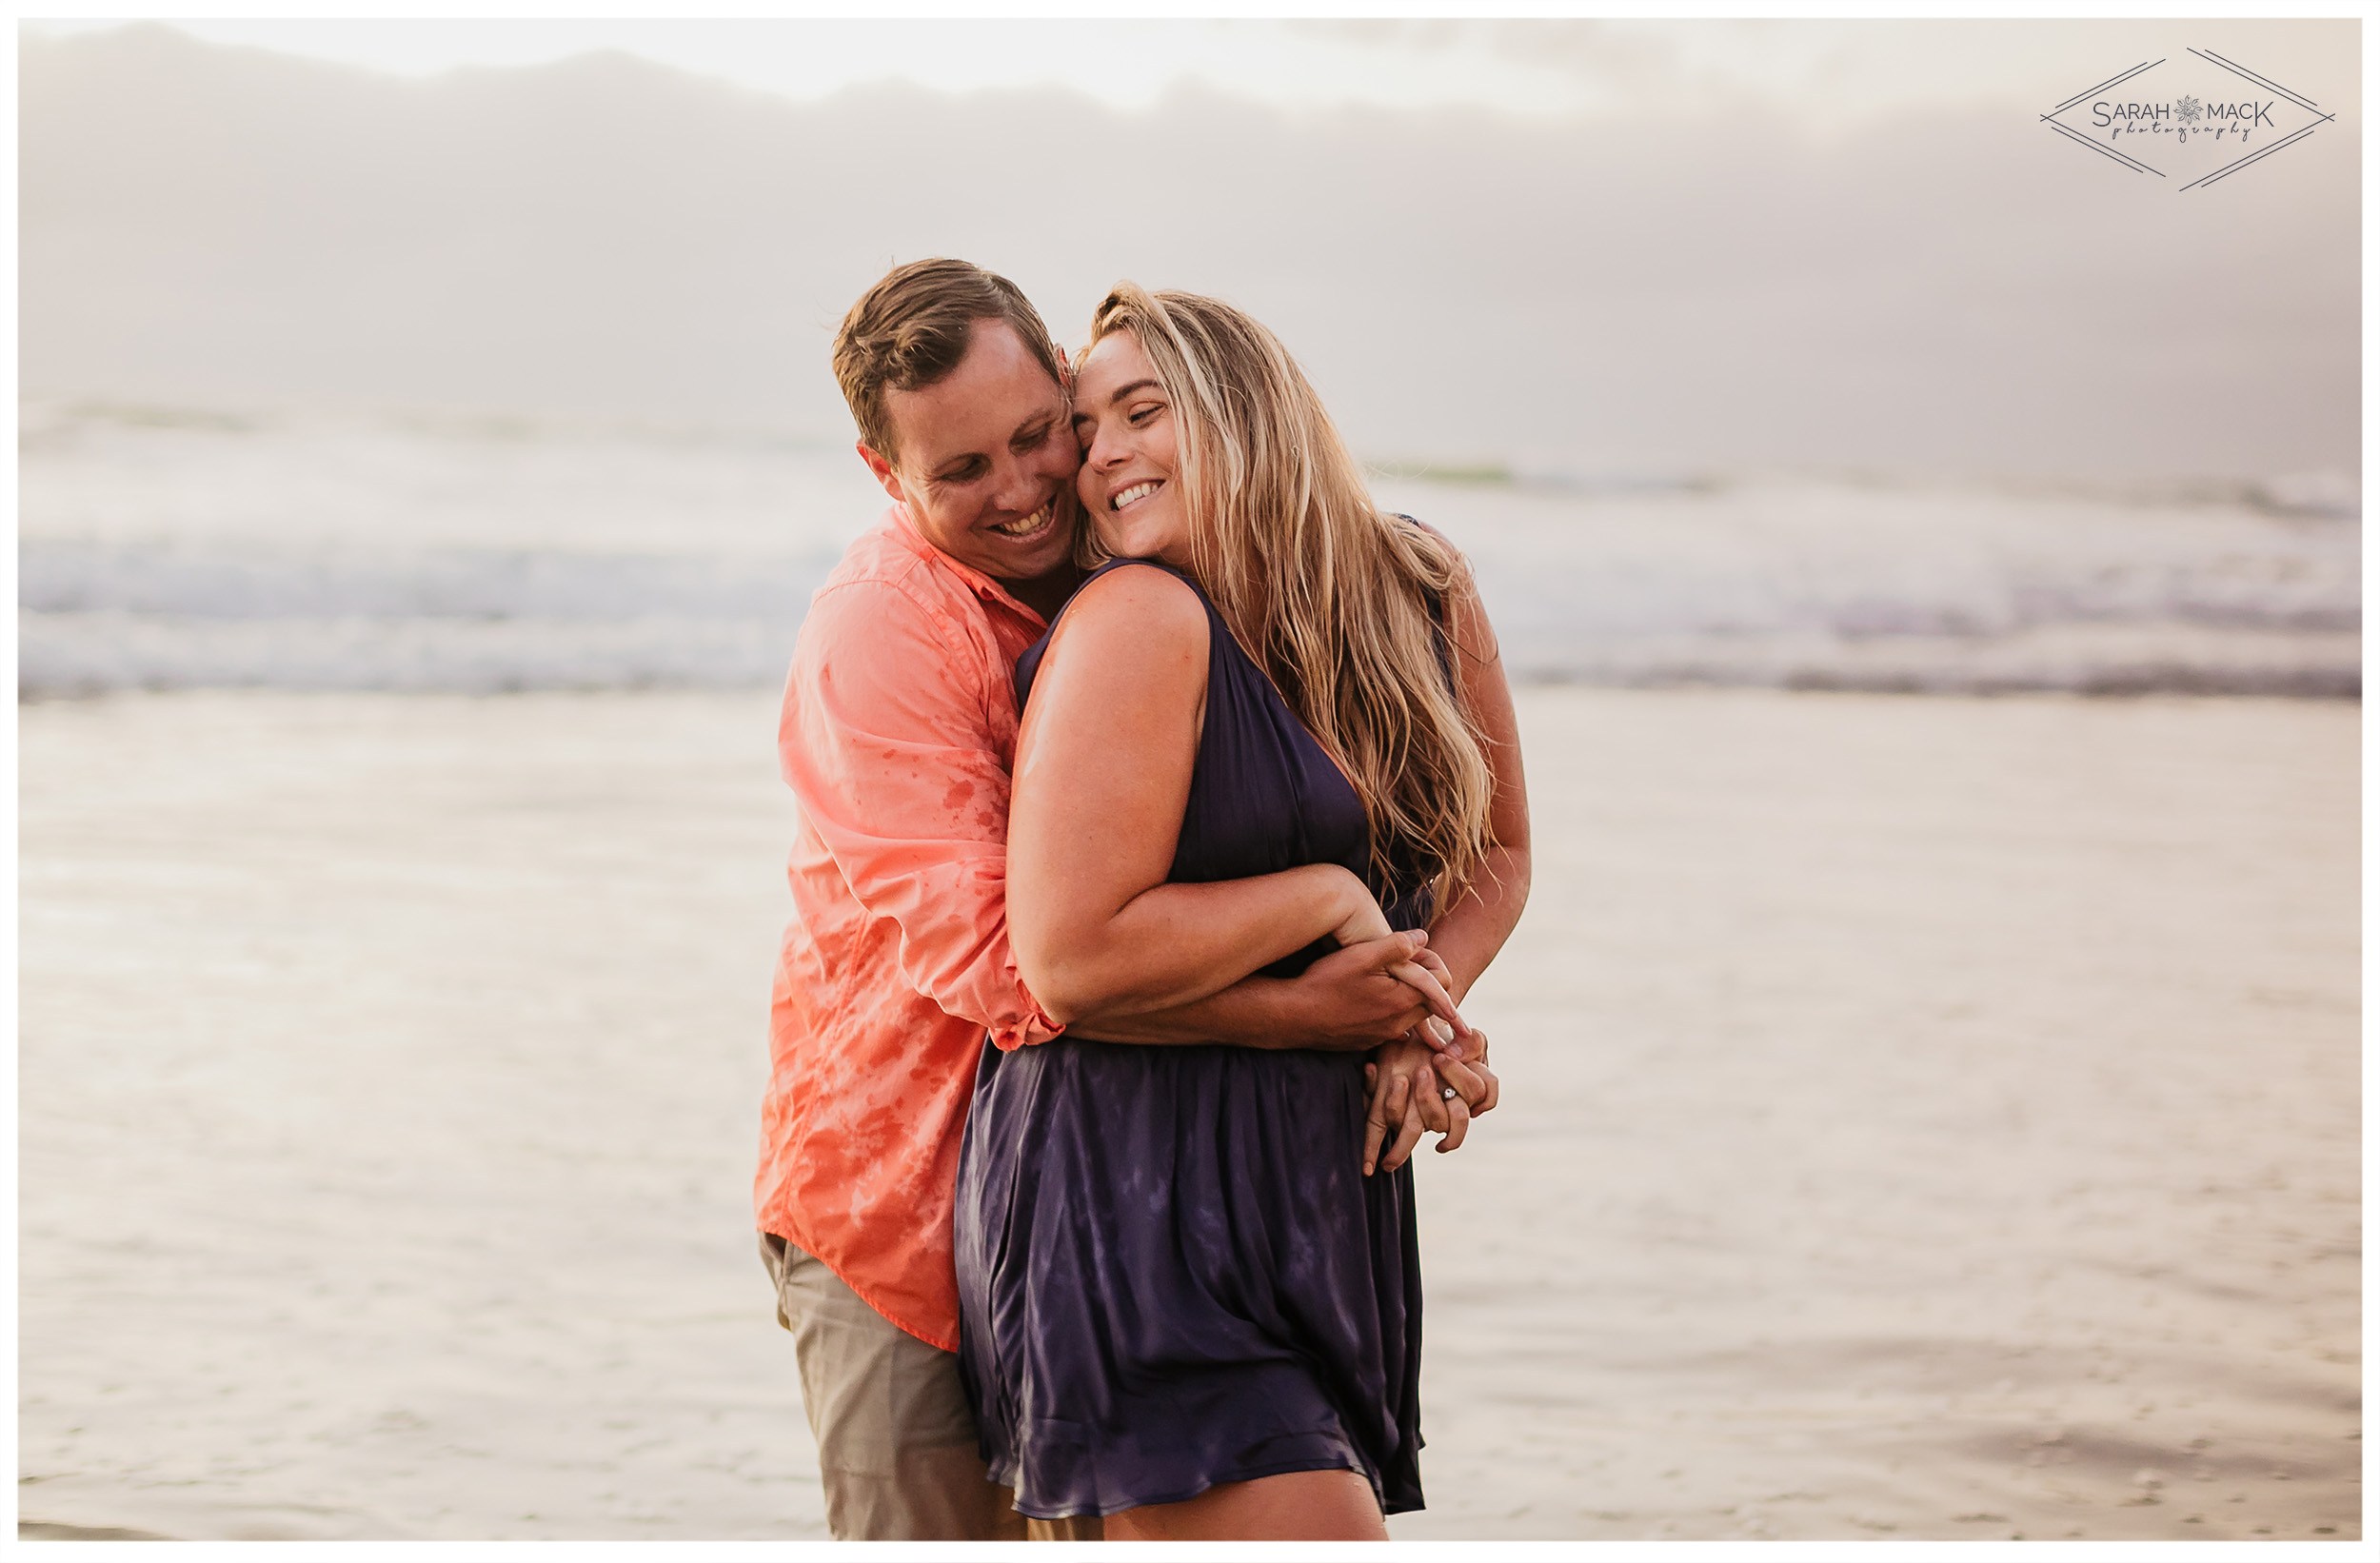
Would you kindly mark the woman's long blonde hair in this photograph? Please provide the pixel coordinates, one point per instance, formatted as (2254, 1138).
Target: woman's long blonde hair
(1329, 593)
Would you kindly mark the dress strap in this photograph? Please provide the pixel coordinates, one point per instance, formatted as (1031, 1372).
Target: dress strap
(1434, 601)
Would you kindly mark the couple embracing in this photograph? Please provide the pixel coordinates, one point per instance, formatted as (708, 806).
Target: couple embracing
(1161, 799)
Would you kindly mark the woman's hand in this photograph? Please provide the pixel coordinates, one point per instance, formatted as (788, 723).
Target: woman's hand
(1475, 1087)
(1361, 919)
(1416, 1088)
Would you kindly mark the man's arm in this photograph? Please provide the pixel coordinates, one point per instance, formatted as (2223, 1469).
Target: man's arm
(1344, 1001)
(886, 739)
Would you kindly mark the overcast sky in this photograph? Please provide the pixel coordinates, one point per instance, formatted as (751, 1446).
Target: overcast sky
(1817, 70)
(1578, 245)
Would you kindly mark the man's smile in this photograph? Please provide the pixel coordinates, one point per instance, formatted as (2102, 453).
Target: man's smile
(1026, 528)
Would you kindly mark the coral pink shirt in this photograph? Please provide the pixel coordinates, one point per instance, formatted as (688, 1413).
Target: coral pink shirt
(898, 731)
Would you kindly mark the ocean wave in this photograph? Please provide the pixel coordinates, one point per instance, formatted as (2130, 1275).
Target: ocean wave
(64, 655)
(252, 582)
(96, 617)
(170, 550)
(83, 654)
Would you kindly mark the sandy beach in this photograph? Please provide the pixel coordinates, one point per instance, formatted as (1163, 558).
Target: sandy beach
(1926, 1117)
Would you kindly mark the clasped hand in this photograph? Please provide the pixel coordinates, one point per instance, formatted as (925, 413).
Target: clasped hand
(1439, 1086)
(1434, 1076)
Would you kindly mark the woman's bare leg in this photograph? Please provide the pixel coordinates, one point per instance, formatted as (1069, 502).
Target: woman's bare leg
(1299, 1506)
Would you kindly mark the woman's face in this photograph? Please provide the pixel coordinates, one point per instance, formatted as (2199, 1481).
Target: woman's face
(1125, 426)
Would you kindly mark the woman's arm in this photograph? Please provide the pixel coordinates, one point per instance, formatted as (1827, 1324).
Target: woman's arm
(1406, 1077)
(1467, 935)
(1102, 774)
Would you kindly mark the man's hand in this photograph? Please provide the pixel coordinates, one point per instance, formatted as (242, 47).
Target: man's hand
(1470, 1048)
(1348, 1000)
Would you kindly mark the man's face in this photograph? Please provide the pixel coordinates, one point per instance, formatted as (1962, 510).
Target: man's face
(987, 460)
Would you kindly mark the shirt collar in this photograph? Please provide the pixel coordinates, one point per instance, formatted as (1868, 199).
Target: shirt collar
(905, 527)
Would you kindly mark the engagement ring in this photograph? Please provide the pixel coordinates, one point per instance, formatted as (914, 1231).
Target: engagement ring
(1446, 1094)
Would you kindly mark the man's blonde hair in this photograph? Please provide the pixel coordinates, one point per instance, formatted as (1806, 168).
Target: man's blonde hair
(1339, 601)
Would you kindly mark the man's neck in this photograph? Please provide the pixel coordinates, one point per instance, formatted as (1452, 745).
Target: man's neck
(1046, 594)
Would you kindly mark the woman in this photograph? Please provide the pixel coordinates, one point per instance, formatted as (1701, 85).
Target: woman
(1275, 720)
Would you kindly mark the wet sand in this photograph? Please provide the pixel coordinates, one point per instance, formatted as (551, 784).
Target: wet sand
(1925, 1118)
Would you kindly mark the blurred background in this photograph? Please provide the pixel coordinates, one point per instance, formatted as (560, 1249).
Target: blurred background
(389, 1065)
(492, 355)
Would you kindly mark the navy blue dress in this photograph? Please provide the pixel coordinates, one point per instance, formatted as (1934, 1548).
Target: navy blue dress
(1172, 1270)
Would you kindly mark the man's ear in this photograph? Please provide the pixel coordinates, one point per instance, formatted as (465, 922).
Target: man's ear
(883, 471)
(1065, 369)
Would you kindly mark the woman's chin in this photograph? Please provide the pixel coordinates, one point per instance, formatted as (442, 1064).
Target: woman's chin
(1123, 542)
(1137, 540)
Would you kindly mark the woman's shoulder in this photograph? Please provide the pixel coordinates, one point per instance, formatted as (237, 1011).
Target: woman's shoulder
(1457, 611)
(1136, 591)
(1445, 545)
(1125, 623)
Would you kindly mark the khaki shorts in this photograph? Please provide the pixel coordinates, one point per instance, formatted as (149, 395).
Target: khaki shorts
(895, 1442)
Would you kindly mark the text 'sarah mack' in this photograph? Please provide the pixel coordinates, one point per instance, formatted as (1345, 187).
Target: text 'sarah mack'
(2216, 119)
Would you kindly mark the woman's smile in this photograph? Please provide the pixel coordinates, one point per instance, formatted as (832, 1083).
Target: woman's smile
(1125, 426)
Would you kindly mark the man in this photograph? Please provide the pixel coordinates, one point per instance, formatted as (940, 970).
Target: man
(899, 725)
